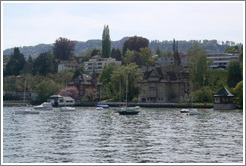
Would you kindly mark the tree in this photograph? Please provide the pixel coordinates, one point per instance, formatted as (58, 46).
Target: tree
(46, 89)
(44, 64)
(234, 73)
(106, 42)
(176, 53)
(16, 63)
(106, 73)
(90, 94)
(71, 91)
(63, 48)
(116, 53)
(238, 91)
(135, 43)
(198, 64)
(118, 81)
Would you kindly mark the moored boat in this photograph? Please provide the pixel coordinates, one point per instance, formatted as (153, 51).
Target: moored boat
(46, 106)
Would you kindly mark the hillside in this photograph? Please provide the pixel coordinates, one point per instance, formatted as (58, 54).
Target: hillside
(209, 45)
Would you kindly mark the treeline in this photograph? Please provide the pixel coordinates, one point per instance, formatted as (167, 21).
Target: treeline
(82, 47)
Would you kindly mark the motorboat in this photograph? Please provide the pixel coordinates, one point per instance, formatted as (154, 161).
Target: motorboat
(46, 106)
(190, 111)
(67, 109)
(184, 111)
(104, 106)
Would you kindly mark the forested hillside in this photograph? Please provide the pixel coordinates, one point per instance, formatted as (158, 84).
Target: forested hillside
(209, 45)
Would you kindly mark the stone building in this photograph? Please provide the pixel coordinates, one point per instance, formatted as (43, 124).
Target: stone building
(164, 85)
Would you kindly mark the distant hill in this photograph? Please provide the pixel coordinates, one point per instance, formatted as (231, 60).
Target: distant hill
(209, 45)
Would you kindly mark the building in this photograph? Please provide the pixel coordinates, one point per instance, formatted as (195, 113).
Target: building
(87, 86)
(163, 85)
(220, 60)
(58, 100)
(96, 63)
(224, 100)
(67, 65)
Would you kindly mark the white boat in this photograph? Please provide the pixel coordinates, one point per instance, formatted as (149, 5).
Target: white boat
(44, 106)
(67, 109)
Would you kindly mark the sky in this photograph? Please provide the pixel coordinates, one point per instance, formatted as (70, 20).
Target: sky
(29, 23)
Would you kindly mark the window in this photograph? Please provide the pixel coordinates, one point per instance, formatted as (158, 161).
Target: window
(61, 101)
(217, 100)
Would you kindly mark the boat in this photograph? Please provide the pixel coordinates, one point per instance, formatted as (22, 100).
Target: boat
(102, 106)
(26, 108)
(185, 110)
(127, 110)
(45, 106)
(67, 109)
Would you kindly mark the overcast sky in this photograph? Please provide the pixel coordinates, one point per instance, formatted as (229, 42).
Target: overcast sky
(29, 24)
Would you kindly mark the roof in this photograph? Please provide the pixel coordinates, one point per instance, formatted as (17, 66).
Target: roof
(67, 98)
(55, 96)
(223, 92)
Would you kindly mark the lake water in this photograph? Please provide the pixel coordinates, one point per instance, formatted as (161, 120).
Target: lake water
(97, 136)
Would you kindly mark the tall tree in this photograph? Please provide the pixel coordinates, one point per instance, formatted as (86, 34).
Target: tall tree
(16, 63)
(176, 53)
(116, 53)
(198, 64)
(234, 73)
(135, 43)
(106, 42)
(63, 48)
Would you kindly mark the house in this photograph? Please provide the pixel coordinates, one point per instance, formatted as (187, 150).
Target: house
(224, 100)
(87, 86)
(58, 100)
(220, 60)
(96, 64)
(67, 65)
(163, 85)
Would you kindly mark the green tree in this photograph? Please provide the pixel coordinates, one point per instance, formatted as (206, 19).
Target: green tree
(16, 63)
(44, 64)
(118, 80)
(105, 79)
(238, 91)
(46, 89)
(198, 64)
(105, 75)
(63, 48)
(106, 42)
(116, 53)
(234, 73)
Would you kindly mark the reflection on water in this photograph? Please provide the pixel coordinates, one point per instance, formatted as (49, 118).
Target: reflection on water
(152, 136)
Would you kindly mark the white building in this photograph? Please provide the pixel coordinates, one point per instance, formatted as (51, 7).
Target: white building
(97, 64)
(220, 60)
(58, 100)
(67, 65)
